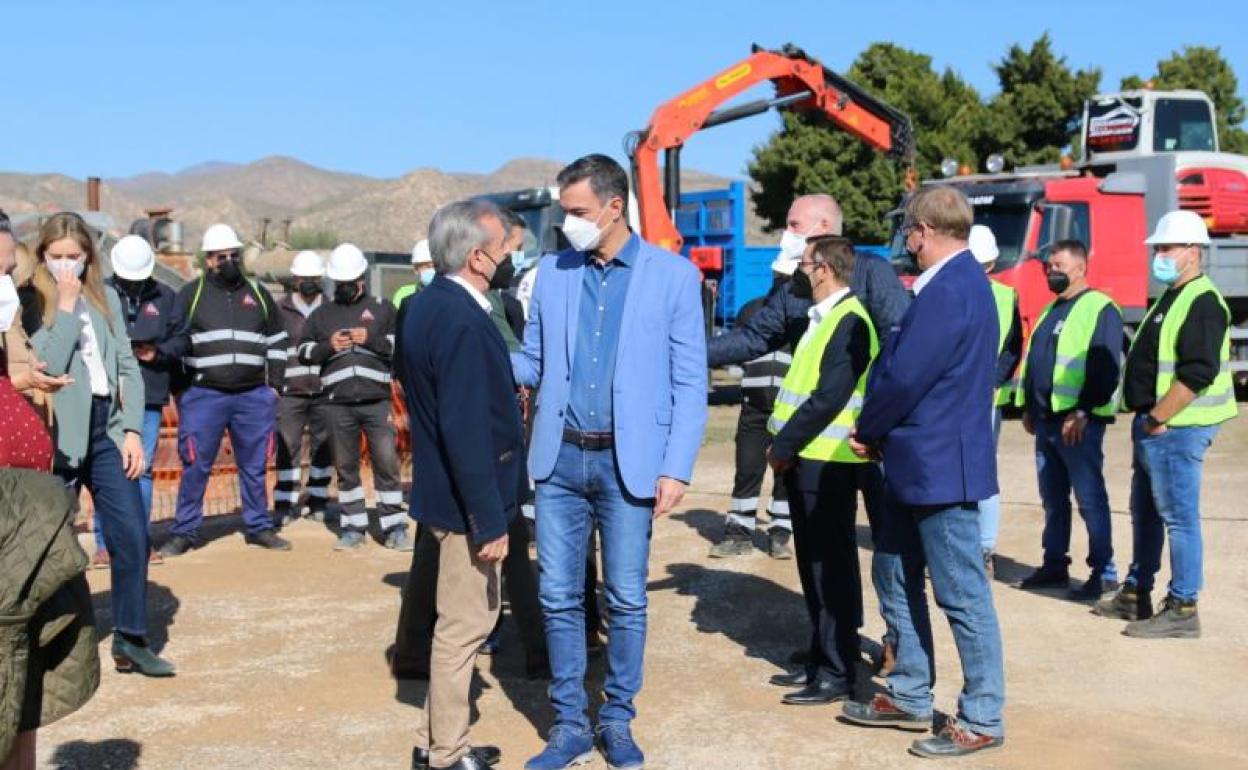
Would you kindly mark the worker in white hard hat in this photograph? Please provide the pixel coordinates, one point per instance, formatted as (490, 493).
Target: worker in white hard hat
(301, 408)
(983, 245)
(351, 339)
(422, 265)
(234, 345)
(148, 309)
(1178, 384)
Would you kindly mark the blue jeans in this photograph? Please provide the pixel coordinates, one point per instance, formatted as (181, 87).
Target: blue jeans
(990, 509)
(119, 510)
(1060, 469)
(1165, 500)
(945, 541)
(151, 435)
(585, 491)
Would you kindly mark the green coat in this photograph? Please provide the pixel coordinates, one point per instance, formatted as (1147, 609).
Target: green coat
(49, 662)
(58, 346)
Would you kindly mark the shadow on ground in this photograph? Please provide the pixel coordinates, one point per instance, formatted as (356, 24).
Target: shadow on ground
(111, 754)
(162, 607)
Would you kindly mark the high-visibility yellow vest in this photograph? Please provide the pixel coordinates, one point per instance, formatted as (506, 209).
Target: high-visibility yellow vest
(832, 444)
(1216, 403)
(1070, 362)
(1005, 297)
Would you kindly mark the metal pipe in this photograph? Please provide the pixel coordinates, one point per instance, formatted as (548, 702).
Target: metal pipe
(671, 179)
(749, 109)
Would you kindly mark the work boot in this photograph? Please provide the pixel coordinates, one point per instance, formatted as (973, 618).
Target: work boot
(397, 539)
(738, 541)
(267, 540)
(349, 540)
(1127, 603)
(1047, 576)
(176, 546)
(778, 544)
(1093, 588)
(1177, 619)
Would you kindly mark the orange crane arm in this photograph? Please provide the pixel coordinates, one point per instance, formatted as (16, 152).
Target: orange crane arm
(801, 83)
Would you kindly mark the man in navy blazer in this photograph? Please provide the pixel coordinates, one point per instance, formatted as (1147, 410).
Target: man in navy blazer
(616, 345)
(467, 449)
(928, 414)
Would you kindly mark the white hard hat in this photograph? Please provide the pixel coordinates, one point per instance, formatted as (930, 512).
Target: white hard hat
(983, 244)
(420, 252)
(132, 258)
(220, 237)
(307, 264)
(1179, 228)
(346, 263)
(784, 266)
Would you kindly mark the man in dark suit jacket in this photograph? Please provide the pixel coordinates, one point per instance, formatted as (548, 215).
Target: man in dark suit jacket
(468, 442)
(928, 413)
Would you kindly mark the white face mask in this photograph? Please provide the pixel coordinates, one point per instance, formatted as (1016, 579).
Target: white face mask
(9, 303)
(581, 233)
(792, 245)
(59, 267)
(426, 275)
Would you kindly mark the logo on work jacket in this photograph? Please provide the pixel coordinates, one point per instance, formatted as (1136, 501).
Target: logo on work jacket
(367, 315)
(1160, 317)
(248, 301)
(151, 309)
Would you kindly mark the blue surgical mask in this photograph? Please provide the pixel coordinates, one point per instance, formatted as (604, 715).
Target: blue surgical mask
(519, 260)
(426, 275)
(1165, 269)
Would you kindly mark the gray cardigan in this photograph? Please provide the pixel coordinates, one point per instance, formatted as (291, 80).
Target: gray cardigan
(57, 345)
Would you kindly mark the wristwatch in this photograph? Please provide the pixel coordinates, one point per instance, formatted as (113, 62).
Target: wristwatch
(1152, 422)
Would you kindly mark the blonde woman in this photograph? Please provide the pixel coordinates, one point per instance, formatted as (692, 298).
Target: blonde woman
(99, 418)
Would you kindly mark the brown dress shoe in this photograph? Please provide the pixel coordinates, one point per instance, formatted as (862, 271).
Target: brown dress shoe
(954, 740)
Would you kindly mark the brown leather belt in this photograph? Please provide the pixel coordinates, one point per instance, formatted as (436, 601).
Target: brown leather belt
(588, 440)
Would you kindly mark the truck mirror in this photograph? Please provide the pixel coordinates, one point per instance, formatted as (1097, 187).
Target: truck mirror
(1059, 225)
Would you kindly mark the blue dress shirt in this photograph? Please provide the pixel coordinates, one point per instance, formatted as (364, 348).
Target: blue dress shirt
(603, 292)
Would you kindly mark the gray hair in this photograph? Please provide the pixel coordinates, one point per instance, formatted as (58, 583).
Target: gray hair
(457, 229)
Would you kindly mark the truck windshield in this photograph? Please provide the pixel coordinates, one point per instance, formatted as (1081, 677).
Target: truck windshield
(1182, 124)
(1008, 224)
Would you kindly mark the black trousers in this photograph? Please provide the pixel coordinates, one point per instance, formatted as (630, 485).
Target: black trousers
(752, 442)
(824, 498)
(419, 608)
(372, 419)
(295, 415)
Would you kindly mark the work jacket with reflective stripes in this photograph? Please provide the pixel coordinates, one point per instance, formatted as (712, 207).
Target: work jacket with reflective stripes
(361, 373)
(762, 376)
(1070, 364)
(231, 337)
(1216, 403)
(805, 387)
(301, 379)
(1010, 345)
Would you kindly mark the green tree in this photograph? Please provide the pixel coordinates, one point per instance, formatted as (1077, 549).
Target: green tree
(809, 154)
(1204, 69)
(1036, 113)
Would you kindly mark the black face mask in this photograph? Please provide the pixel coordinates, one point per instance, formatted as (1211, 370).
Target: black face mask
(229, 272)
(345, 293)
(1058, 281)
(503, 273)
(802, 287)
(308, 288)
(132, 288)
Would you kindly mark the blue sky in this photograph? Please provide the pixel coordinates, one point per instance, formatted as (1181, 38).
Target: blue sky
(381, 88)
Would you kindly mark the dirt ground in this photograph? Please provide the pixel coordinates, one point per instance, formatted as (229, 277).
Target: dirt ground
(281, 663)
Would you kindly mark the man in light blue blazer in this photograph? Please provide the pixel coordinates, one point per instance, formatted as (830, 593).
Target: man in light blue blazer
(615, 344)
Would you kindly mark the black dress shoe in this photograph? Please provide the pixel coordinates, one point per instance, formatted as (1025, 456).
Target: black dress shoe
(796, 678)
(483, 756)
(819, 693)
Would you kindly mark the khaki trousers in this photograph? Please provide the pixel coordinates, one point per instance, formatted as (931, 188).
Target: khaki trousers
(468, 605)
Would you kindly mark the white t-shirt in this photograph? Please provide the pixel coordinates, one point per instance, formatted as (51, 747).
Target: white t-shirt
(90, 348)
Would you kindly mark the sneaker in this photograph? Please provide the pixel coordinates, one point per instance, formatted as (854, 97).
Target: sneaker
(101, 560)
(1175, 619)
(1092, 589)
(1127, 603)
(778, 544)
(398, 539)
(350, 539)
(954, 740)
(1047, 576)
(176, 546)
(738, 541)
(881, 711)
(618, 747)
(267, 540)
(566, 747)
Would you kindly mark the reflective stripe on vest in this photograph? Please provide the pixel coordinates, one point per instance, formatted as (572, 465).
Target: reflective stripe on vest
(347, 372)
(832, 443)
(1216, 403)
(1071, 358)
(1005, 297)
